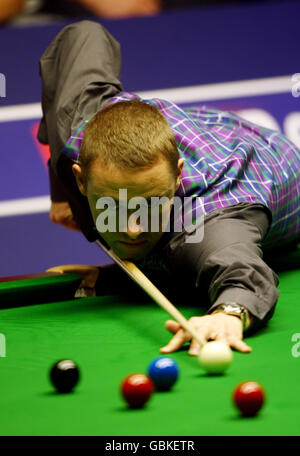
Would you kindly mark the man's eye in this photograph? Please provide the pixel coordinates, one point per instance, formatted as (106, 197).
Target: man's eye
(148, 204)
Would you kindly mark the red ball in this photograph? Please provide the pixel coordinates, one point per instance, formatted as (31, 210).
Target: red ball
(137, 390)
(249, 398)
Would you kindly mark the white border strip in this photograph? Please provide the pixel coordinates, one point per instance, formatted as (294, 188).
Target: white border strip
(191, 94)
(24, 206)
(20, 112)
(251, 87)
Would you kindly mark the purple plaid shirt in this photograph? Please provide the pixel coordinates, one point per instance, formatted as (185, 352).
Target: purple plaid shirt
(227, 161)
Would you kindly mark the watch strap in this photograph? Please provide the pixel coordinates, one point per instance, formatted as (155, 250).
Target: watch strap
(235, 309)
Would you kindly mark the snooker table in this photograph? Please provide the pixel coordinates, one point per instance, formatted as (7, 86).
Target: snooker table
(110, 337)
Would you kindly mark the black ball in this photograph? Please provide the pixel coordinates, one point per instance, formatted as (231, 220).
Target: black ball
(64, 375)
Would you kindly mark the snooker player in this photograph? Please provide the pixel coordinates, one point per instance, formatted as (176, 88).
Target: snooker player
(244, 177)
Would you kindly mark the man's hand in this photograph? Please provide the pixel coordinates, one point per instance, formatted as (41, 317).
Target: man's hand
(221, 327)
(89, 276)
(62, 214)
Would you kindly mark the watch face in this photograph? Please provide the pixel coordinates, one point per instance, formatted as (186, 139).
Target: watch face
(233, 308)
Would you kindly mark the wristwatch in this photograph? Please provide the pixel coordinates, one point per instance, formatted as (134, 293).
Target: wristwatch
(232, 308)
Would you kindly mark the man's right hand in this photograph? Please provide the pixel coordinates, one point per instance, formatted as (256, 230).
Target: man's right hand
(61, 213)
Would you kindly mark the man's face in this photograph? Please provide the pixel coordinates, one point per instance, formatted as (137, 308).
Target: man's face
(134, 241)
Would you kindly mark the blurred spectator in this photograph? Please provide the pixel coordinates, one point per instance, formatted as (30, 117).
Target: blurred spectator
(107, 9)
(10, 8)
(121, 8)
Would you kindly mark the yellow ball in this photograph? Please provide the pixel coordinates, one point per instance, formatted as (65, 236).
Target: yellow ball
(215, 357)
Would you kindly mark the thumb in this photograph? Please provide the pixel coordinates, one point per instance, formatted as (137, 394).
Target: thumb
(57, 269)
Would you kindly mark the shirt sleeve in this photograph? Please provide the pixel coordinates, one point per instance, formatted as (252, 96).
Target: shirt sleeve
(80, 71)
(57, 191)
(228, 264)
(243, 277)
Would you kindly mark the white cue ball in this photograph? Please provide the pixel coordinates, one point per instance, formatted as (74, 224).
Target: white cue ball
(215, 357)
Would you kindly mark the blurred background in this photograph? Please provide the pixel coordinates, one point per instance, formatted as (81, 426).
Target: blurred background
(29, 10)
(240, 56)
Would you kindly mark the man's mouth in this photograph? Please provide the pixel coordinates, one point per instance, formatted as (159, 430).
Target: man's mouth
(132, 245)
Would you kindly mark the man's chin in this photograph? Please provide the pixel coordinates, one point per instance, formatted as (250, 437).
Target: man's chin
(132, 256)
(132, 253)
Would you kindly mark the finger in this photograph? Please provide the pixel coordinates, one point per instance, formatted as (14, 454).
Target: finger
(80, 268)
(70, 223)
(63, 268)
(83, 292)
(195, 348)
(221, 336)
(213, 335)
(172, 326)
(176, 342)
(240, 345)
(234, 342)
(57, 269)
(67, 221)
(73, 224)
(73, 227)
(204, 334)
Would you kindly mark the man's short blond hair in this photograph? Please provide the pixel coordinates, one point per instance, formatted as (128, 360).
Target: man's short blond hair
(129, 135)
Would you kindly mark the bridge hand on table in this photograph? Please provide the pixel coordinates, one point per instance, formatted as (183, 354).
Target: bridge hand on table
(220, 327)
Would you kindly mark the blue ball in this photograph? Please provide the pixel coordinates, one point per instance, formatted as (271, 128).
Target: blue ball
(163, 371)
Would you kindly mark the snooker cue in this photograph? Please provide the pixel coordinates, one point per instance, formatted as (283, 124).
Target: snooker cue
(139, 277)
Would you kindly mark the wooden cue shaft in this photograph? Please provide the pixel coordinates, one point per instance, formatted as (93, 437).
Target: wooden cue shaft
(139, 277)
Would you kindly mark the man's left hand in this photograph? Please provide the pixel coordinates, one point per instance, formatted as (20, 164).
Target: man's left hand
(220, 327)
(88, 273)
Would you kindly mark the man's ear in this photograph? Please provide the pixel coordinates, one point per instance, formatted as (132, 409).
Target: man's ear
(77, 171)
(179, 171)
